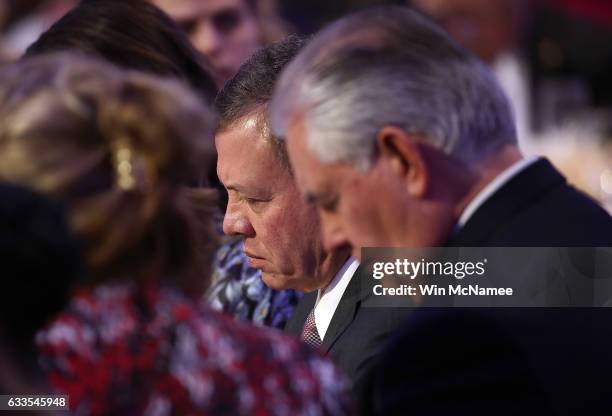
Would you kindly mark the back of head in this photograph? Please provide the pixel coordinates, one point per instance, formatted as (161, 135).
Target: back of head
(250, 90)
(116, 148)
(132, 34)
(391, 66)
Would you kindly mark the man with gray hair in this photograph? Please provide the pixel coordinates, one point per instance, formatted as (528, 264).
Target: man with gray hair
(401, 138)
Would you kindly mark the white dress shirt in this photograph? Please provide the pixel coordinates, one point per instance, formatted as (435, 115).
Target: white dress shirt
(492, 187)
(329, 298)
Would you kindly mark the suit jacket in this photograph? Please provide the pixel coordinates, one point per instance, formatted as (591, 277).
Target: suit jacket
(496, 361)
(474, 361)
(537, 208)
(356, 332)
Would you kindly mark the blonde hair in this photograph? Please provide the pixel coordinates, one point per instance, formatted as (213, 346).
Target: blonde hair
(116, 147)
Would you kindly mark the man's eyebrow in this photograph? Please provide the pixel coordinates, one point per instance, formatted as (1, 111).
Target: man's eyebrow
(237, 188)
(244, 190)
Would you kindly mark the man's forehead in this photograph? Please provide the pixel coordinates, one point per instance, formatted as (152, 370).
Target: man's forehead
(190, 9)
(236, 148)
(248, 128)
(245, 158)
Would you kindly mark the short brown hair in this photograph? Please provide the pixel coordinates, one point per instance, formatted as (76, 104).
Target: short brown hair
(116, 148)
(250, 90)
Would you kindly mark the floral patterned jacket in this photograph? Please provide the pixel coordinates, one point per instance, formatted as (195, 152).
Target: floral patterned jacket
(239, 291)
(123, 349)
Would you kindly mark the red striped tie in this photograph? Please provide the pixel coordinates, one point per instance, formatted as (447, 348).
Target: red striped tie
(310, 335)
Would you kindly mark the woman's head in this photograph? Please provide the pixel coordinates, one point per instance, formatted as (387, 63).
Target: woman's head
(134, 35)
(131, 34)
(116, 147)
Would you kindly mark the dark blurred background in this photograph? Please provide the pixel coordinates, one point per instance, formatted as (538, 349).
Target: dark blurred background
(552, 57)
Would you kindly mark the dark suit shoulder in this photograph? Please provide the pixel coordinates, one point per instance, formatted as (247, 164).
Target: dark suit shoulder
(537, 208)
(563, 216)
(483, 361)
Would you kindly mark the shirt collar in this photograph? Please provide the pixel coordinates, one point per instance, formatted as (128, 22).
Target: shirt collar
(492, 187)
(346, 271)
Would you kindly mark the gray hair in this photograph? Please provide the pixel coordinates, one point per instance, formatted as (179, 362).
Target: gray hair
(391, 66)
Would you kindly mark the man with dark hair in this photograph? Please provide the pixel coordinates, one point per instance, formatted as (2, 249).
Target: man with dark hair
(281, 231)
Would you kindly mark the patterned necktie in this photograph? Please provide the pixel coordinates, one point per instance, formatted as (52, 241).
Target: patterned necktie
(310, 335)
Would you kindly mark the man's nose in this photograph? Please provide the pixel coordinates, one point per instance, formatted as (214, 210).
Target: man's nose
(207, 39)
(236, 223)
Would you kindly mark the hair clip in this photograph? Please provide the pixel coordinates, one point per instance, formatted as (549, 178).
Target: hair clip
(123, 165)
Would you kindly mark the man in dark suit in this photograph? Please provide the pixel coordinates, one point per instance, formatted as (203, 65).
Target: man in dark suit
(537, 208)
(281, 231)
(401, 138)
(356, 332)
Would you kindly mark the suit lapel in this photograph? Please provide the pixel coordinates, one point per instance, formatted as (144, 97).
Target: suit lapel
(345, 311)
(520, 191)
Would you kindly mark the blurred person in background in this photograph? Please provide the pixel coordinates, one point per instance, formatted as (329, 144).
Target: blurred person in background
(4, 53)
(116, 148)
(138, 35)
(493, 30)
(226, 31)
(28, 20)
(552, 60)
(40, 265)
(488, 28)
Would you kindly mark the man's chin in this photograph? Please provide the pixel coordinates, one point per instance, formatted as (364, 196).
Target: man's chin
(276, 281)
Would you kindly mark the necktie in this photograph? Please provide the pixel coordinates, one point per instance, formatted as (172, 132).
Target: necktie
(310, 335)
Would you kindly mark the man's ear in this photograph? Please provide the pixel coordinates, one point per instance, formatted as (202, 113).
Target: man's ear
(404, 157)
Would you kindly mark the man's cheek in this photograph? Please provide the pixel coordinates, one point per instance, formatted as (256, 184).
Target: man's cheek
(357, 230)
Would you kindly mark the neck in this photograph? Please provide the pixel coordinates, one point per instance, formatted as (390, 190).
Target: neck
(485, 172)
(329, 268)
